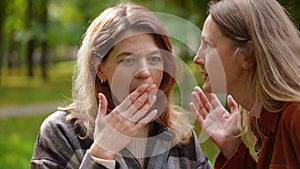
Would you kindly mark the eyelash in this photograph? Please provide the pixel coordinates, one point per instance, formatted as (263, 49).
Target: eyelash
(126, 60)
(207, 45)
(151, 59)
(155, 59)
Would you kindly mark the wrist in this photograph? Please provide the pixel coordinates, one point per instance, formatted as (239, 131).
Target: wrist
(101, 153)
(231, 147)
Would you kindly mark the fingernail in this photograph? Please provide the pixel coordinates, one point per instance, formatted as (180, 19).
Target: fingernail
(144, 86)
(99, 98)
(155, 111)
(152, 98)
(153, 86)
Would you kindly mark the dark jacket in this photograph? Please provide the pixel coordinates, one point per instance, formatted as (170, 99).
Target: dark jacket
(281, 148)
(58, 146)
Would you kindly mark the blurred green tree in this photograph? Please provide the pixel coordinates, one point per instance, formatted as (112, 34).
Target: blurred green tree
(43, 31)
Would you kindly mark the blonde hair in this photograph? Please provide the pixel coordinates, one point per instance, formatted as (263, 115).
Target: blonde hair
(275, 47)
(97, 43)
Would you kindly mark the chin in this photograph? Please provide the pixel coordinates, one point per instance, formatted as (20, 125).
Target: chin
(207, 88)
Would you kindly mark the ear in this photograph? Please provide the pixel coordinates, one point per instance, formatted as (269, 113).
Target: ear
(100, 73)
(248, 56)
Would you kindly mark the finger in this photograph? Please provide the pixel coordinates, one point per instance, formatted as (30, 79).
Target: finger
(140, 107)
(151, 88)
(214, 100)
(203, 98)
(136, 106)
(102, 110)
(235, 115)
(152, 95)
(132, 97)
(199, 117)
(232, 104)
(199, 103)
(147, 119)
(142, 112)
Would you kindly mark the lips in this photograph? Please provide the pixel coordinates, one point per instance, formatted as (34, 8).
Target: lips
(205, 75)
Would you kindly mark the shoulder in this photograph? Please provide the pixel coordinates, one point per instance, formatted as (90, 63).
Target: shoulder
(291, 110)
(56, 131)
(292, 106)
(291, 115)
(58, 144)
(55, 120)
(57, 127)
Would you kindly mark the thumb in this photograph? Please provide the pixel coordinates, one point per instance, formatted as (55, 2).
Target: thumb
(232, 104)
(102, 110)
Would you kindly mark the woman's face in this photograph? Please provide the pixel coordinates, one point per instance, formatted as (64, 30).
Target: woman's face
(220, 66)
(134, 60)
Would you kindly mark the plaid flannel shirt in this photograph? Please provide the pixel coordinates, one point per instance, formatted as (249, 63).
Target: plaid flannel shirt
(58, 146)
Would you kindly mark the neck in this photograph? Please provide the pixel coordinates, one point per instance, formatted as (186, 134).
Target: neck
(244, 95)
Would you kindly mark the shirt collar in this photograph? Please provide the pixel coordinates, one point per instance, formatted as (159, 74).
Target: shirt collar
(269, 120)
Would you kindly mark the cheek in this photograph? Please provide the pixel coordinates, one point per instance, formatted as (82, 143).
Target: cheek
(213, 64)
(119, 83)
(157, 76)
(216, 72)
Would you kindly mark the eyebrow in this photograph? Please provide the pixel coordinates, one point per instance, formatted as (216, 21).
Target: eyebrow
(206, 39)
(151, 52)
(125, 53)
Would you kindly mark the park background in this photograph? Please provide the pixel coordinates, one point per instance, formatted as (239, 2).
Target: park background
(38, 44)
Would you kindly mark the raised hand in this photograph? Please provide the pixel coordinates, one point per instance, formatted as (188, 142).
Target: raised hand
(114, 131)
(221, 126)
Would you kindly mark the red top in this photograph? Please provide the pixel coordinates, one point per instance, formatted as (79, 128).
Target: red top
(280, 150)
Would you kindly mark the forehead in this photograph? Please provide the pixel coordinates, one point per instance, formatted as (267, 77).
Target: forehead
(134, 41)
(211, 30)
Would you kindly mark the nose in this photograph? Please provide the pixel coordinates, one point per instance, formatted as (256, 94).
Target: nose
(198, 60)
(143, 71)
(143, 74)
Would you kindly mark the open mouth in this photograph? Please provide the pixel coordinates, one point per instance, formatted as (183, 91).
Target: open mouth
(204, 75)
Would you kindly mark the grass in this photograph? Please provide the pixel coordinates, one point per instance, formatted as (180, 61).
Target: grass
(17, 89)
(18, 135)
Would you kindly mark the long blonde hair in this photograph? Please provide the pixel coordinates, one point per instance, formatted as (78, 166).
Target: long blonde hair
(97, 43)
(275, 47)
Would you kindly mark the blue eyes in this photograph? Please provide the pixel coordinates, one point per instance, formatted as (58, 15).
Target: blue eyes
(127, 61)
(152, 60)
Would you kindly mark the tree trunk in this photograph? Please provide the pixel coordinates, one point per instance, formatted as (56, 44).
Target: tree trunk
(44, 42)
(30, 51)
(3, 5)
(31, 41)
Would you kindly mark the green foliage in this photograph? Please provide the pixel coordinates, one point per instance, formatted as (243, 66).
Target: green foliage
(17, 89)
(18, 135)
